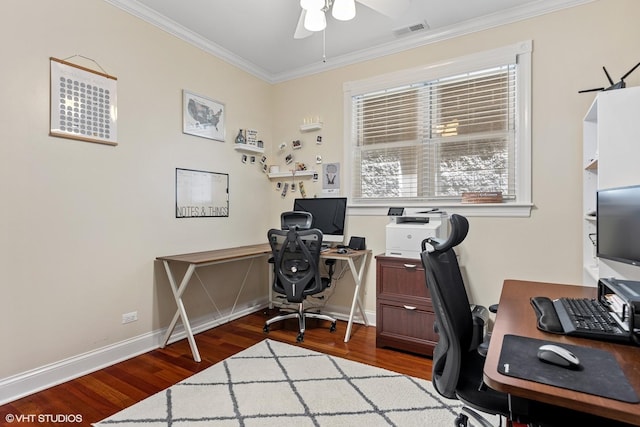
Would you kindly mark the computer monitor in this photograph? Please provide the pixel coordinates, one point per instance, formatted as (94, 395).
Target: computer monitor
(329, 215)
(618, 223)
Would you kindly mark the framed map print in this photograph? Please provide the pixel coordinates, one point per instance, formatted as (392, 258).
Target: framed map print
(202, 116)
(201, 194)
(83, 103)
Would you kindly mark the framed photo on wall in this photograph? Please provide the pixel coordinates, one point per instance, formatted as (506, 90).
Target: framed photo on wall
(83, 104)
(202, 116)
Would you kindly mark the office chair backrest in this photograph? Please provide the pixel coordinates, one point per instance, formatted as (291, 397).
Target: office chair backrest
(451, 306)
(296, 256)
(300, 219)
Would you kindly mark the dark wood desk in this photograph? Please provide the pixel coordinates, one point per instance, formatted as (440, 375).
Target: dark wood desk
(516, 316)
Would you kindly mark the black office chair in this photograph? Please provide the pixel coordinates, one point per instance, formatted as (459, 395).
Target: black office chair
(303, 220)
(457, 364)
(457, 368)
(296, 255)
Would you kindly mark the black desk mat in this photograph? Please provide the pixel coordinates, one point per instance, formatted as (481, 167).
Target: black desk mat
(599, 373)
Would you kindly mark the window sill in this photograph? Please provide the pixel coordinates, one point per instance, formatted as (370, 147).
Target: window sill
(466, 209)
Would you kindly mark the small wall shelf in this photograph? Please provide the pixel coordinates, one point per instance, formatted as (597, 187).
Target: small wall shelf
(592, 165)
(308, 127)
(249, 148)
(290, 174)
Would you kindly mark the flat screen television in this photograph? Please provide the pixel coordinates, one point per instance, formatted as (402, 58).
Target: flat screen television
(328, 214)
(618, 220)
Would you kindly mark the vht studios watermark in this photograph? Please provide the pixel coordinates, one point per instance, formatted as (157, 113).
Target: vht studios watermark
(43, 418)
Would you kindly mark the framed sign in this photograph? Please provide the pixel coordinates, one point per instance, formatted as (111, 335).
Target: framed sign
(201, 194)
(202, 116)
(83, 104)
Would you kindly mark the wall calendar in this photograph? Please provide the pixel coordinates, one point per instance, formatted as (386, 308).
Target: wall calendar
(83, 103)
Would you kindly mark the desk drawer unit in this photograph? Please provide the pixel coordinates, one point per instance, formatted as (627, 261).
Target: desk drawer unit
(404, 314)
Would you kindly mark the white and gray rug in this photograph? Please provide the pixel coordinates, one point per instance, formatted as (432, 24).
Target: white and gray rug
(277, 384)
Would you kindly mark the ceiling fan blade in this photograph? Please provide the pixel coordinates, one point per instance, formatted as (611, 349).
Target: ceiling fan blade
(301, 32)
(391, 8)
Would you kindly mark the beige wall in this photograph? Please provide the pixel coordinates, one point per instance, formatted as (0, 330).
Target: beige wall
(82, 223)
(569, 49)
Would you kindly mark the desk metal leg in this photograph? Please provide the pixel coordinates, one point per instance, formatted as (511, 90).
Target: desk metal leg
(181, 312)
(358, 274)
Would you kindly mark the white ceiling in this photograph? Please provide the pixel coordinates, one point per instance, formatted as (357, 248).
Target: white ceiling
(257, 35)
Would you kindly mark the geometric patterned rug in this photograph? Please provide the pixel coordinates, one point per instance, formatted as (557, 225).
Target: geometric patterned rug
(278, 384)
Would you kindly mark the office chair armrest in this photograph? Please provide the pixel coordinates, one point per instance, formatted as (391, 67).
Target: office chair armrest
(331, 263)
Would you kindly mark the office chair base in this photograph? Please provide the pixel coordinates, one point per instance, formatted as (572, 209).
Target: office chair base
(462, 420)
(301, 315)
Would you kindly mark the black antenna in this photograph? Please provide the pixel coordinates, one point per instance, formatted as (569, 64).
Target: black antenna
(608, 76)
(620, 85)
(630, 71)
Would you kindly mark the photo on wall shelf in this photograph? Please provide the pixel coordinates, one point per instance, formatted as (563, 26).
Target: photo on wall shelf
(202, 116)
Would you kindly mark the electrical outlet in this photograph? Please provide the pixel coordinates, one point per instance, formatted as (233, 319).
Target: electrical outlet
(129, 317)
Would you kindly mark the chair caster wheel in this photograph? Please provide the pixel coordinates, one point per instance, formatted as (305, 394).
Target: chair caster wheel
(333, 327)
(461, 421)
(300, 337)
(265, 329)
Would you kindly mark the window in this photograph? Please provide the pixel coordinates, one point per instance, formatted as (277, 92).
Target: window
(427, 135)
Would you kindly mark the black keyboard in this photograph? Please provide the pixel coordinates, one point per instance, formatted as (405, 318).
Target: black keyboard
(588, 318)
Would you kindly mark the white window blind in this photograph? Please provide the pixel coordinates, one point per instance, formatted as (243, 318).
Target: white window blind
(433, 140)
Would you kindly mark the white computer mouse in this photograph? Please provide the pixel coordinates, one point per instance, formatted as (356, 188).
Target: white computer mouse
(557, 355)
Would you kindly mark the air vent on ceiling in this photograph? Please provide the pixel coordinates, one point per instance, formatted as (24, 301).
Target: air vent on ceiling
(420, 26)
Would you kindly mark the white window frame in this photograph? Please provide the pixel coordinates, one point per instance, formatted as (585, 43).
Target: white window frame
(519, 53)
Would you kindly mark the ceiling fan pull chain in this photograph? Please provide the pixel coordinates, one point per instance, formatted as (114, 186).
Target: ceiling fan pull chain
(324, 46)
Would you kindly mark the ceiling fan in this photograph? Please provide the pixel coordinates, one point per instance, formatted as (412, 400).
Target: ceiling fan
(313, 15)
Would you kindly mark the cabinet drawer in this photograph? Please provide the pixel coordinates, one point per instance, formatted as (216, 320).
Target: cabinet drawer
(402, 278)
(405, 328)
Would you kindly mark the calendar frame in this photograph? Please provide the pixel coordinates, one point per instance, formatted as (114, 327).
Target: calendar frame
(105, 128)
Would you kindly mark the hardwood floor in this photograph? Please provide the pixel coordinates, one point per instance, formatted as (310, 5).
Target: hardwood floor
(98, 395)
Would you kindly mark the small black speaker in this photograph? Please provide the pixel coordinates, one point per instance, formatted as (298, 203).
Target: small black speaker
(357, 243)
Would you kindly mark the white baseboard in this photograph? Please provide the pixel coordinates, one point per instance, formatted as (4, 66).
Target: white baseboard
(35, 380)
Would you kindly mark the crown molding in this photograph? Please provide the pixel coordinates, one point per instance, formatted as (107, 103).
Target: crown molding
(154, 18)
(508, 16)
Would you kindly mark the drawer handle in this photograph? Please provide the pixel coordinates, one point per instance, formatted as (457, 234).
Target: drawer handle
(410, 266)
(409, 307)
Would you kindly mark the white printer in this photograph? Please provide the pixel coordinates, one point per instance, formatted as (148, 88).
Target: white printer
(407, 229)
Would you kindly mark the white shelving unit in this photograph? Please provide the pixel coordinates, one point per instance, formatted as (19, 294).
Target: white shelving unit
(589, 190)
(611, 149)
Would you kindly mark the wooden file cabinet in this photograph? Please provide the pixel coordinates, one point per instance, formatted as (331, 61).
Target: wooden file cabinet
(404, 314)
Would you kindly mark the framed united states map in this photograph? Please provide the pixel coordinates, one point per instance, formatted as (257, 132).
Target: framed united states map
(202, 116)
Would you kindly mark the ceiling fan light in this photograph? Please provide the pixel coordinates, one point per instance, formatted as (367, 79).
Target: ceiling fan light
(315, 20)
(312, 4)
(344, 10)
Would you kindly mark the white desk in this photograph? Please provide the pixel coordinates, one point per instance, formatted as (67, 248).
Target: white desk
(203, 259)
(358, 275)
(207, 258)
